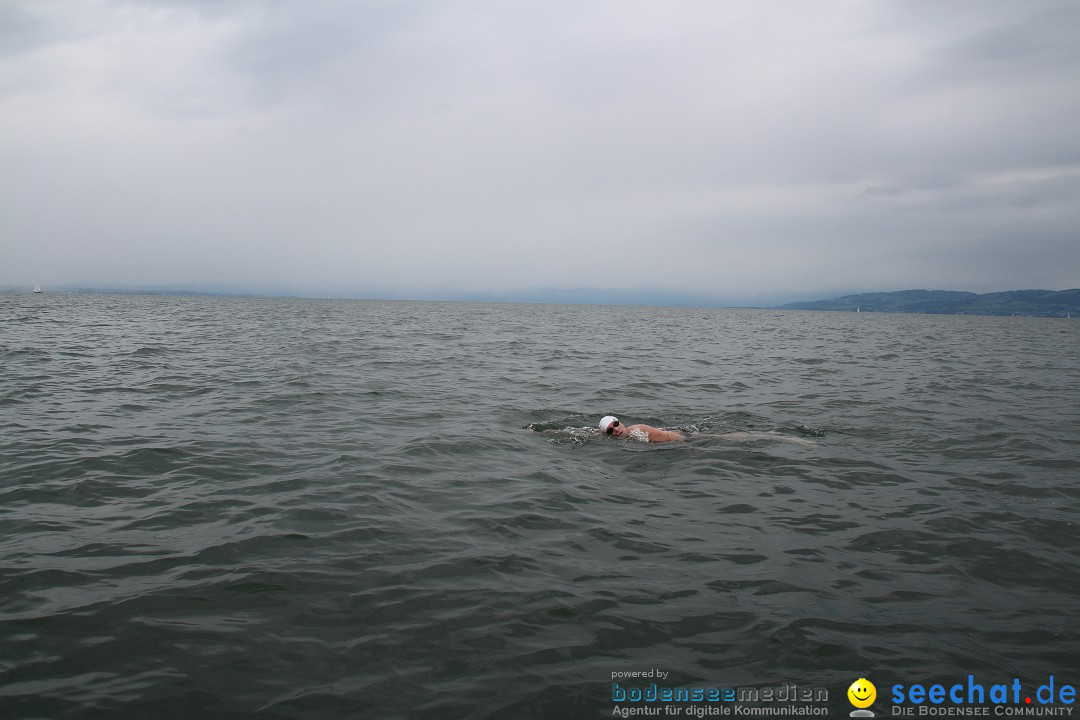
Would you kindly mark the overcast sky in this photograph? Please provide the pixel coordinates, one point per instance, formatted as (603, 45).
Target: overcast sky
(749, 151)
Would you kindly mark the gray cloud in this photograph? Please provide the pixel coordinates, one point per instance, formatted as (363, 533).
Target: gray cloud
(747, 151)
(1043, 41)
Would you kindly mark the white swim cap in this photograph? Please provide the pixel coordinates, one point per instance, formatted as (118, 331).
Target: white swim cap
(606, 421)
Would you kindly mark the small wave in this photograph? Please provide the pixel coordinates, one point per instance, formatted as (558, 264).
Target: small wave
(558, 434)
(771, 435)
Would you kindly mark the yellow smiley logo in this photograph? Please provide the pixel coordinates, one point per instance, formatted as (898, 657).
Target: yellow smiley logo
(862, 693)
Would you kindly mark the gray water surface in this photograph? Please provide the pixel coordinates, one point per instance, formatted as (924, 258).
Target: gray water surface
(277, 508)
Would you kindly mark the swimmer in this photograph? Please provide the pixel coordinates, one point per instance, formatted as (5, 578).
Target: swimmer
(610, 425)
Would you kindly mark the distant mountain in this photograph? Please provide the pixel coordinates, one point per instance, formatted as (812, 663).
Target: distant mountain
(1047, 303)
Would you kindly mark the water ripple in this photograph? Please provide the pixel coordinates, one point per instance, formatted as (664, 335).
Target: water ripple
(278, 508)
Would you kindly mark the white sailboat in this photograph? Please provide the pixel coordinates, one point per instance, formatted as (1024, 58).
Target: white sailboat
(37, 288)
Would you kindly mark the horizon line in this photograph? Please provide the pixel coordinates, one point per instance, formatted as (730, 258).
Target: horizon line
(644, 297)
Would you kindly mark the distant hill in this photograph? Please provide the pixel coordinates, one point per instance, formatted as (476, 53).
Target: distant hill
(1046, 303)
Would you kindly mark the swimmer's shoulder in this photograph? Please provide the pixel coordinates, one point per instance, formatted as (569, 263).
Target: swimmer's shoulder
(658, 435)
(670, 436)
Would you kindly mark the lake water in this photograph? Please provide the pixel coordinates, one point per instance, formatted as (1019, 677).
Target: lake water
(280, 508)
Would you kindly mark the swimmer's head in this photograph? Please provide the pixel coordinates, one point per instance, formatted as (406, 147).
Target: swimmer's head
(609, 424)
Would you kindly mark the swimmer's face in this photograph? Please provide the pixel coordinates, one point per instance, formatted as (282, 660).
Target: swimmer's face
(616, 429)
